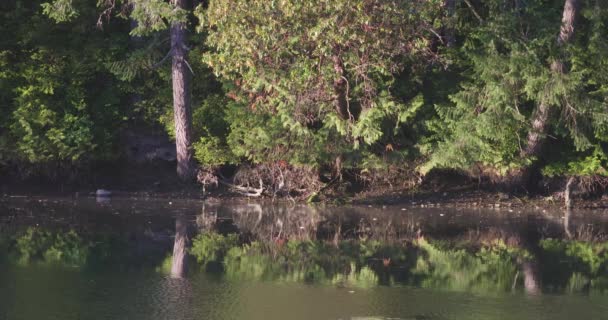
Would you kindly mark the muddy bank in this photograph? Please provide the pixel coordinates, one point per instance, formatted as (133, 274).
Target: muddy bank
(448, 189)
(440, 189)
(454, 198)
(122, 179)
(477, 199)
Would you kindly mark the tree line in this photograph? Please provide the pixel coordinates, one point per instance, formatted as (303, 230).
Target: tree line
(508, 89)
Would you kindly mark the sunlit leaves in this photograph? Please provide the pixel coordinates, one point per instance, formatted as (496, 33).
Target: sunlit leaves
(60, 10)
(154, 15)
(283, 56)
(508, 64)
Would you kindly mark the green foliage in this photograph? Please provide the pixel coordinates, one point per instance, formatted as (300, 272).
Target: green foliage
(212, 247)
(211, 128)
(490, 269)
(299, 261)
(565, 265)
(593, 164)
(212, 152)
(589, 258)
(364, 278)
(69, 249)
(351, 264)
(165, 266)
(261, 138)
(154, 15)
(60, 105)
(582, 264)
(49, 129)
(248, 263)
(60, 10)
(506, 59)
(151, 15)
(67, 88)
(36, 245)
(283, 57)
(372, 83)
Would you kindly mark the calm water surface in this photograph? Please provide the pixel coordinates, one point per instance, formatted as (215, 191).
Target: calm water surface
(84, 259)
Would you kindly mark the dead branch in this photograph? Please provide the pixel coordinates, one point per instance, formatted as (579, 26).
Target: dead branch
(245, 191)
(475, 13)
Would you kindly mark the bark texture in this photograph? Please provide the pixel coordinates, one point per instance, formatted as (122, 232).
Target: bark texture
(571, 8)
(341, 103)
(541, 118)
(182, 110)
(341, 89)
(178, 261)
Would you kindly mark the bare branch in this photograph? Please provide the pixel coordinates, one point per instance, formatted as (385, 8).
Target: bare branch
(189, 67)
(158, 64)
(246, 191)
(109, 7)
(470, 5)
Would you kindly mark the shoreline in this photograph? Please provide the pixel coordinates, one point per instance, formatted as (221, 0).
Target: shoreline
(465, 198)
(442, 189)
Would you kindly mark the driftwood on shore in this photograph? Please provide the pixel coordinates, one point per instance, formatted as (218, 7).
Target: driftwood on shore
(245, 190)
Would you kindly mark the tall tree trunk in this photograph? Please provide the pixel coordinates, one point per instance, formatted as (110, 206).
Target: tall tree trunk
(341, 104)
(340, 88)
(543, 115)
(181, 98)
(178, 261)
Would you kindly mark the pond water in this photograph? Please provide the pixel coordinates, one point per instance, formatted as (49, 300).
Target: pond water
(90, 259)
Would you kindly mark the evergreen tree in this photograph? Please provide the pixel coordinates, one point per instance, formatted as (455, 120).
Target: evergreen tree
(512, 64)
(511, 89)
(541, 118)
(60, 105)
(182, 107)
(154, 16)
(312, 80)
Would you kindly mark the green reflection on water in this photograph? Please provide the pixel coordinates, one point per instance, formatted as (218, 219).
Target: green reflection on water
(562, 265)
(491, 268)
(35, 245)
(576, 265)
(251, 262)
(571, 266)
(69, 249)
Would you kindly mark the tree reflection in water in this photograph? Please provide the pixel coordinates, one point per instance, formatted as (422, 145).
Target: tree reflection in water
(347, 247)
(362, 249)
(178, 262)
